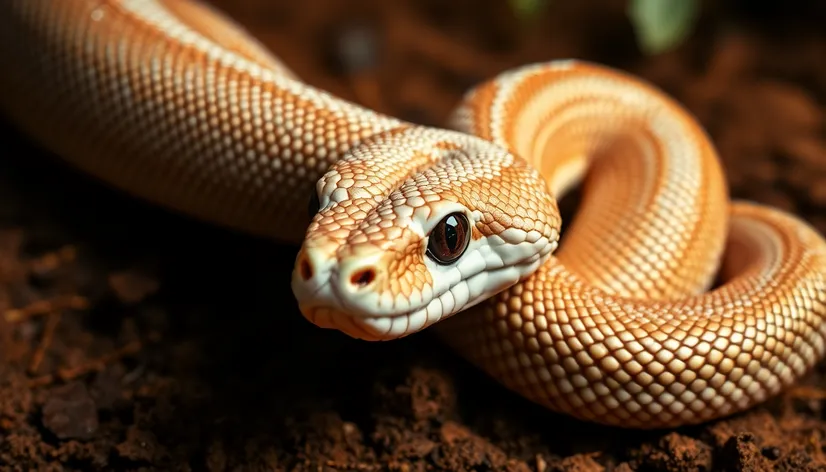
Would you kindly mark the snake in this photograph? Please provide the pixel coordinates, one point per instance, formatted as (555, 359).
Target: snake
(665, 303)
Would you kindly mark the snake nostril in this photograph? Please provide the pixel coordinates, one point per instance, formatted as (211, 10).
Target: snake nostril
(305, 269)
(363, 277)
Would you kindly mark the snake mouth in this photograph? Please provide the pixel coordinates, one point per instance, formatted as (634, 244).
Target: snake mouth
(332, 313)
(372, 328)
(335, 313)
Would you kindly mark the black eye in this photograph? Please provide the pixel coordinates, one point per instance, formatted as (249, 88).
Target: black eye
(449, 238)
(313, 206)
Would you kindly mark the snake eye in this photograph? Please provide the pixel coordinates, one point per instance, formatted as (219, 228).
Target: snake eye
(449, 238)
(314, 205)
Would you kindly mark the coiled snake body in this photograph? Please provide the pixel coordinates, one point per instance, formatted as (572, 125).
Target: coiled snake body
(172, 102)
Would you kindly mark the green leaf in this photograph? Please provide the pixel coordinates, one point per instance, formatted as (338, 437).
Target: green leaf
(526, 9)
(662, 24)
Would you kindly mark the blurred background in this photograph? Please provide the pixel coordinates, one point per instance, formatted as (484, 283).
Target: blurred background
(135, 339)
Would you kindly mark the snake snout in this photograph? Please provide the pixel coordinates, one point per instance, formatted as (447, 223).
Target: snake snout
(311, 271)
(340, 282)
(357, 275)
(361, 278)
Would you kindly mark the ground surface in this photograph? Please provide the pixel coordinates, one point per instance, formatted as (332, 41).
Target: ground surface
(134, 339)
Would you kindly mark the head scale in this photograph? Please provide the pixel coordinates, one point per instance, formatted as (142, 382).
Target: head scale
(415, 225)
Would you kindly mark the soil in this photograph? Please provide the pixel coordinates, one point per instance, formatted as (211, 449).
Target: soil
(137, 339)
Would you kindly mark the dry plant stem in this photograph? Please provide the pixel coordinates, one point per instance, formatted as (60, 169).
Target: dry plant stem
(43, 307)
(94, 365)
(52, 321)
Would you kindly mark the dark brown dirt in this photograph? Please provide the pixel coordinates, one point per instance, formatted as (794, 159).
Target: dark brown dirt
(135, 339)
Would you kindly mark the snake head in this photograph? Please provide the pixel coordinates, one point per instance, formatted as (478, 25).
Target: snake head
(416, 225)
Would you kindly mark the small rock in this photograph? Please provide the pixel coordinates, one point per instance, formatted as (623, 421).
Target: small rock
(742, 452)
(677, 452)
(452, 432)
(541, 464)
(624, 467)
(577, 463)
(70, 412)
(131, 287)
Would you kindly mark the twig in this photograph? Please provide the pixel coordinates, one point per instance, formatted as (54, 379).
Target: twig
(44, 307)
(48, 334)
(95, 365)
